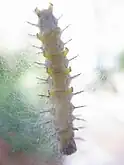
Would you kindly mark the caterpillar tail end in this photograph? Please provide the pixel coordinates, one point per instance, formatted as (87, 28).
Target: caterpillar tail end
(69, 148)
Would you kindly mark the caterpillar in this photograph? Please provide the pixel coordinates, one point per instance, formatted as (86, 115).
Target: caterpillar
(58, 70)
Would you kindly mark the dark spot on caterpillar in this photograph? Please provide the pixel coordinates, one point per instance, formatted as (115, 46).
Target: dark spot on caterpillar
(69, 148)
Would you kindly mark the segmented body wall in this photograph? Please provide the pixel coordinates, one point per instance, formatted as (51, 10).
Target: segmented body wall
(59, 78)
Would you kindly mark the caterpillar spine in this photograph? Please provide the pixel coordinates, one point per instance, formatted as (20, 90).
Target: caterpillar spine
(56, 64)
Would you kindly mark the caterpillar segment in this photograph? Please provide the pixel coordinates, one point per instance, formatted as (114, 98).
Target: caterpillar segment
(56, 64)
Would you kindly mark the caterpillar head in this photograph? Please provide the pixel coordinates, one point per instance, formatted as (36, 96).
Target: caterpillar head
(47, 21)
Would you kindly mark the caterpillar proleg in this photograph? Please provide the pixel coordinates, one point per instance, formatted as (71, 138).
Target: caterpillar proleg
(56, 64)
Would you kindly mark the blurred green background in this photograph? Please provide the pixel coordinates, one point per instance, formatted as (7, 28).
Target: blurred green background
(21, 109)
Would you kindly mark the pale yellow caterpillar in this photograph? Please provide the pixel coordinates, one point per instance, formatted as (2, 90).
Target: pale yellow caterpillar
(56, 64)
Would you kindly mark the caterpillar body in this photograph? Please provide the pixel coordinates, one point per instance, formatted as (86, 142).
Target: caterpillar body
(56, 64)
